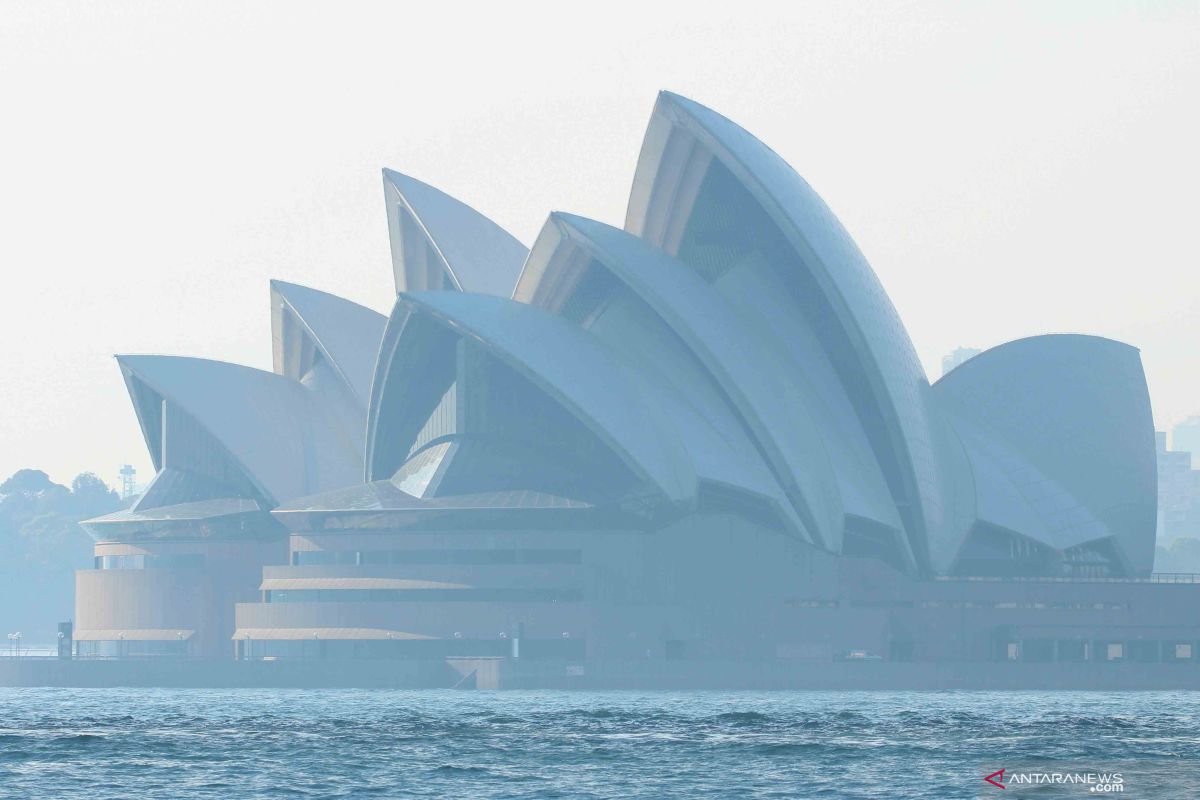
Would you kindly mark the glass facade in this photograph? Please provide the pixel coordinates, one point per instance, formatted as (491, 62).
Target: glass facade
(317, 648)
(422, 595)
(302, 558)
(176, 648)
(142, 561)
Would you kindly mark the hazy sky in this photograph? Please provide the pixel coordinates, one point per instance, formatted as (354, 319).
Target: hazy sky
(1008, 170)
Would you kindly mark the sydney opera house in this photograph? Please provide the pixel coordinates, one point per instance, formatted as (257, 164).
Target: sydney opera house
(701, 438)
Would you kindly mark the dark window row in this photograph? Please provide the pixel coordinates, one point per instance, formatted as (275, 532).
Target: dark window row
(1035, 606)
(1138, 650)
(302, 558)
(130, 649)
(422, 595)
(149, 561)
(531, 649)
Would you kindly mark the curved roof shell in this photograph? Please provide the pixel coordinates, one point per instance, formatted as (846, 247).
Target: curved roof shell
(306, 322)
(439, 242)
(569, 366)
(691, 151)
(747, 312)
(758, 387)
(264, 427)
(731, 350)
(1066, 420)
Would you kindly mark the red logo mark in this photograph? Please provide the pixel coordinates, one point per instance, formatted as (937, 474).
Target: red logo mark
(998, 783)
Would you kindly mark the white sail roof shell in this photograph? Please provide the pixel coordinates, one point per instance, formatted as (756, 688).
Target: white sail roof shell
(897, 385)
(477, 254)
(346, 333)
(580, 373)
(285, 443)
(1067, 419)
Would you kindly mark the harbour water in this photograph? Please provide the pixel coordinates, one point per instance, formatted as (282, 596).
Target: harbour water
(176, 743)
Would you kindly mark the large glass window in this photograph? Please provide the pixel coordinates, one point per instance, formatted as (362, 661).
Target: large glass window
(304, 558)
(533, 649)
(142, 561)
(450, 556)
(516, 595)
(174, 648)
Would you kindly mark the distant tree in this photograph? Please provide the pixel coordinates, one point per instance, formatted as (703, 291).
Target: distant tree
(42, 544)
(28, 481)
(92, 497)
(23, 496)
(54, 542)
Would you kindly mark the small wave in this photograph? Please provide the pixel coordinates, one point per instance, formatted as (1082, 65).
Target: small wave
(671, 745)
(502, 719)
(79, 738)
(596, 713)
(851, 716)
(452, 769)
(742, 717)
(1083, 724)
(818, 749)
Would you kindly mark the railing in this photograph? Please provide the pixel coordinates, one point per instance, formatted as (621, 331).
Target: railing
(7, 656)
(1155, 577)
(23, 656)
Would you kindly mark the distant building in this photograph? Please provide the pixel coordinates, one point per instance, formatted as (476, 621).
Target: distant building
(1186, 435)
(1178, 488)
(960, 356)
(705, 437)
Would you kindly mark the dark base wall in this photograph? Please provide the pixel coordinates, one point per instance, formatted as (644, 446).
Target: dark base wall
(704, 592)
(660, 675)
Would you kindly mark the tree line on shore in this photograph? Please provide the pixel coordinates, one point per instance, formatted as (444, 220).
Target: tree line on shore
(41, 546)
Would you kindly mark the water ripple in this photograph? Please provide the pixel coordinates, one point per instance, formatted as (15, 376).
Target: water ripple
(120, 743)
